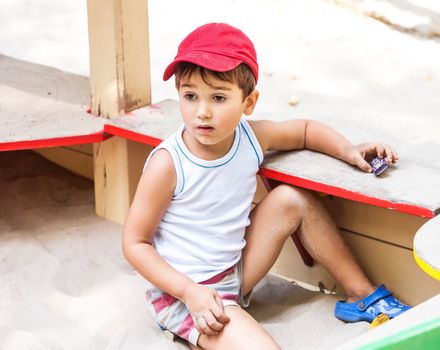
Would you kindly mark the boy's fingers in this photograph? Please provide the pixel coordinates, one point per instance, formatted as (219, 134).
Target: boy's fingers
(213, 323)
(203, 326)
(389, 155)
(362, 163)
(220, 316)
(218, 311)
(380, 150)
(395, 154)
(392, 155)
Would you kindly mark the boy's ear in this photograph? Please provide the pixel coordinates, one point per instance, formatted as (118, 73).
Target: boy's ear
(250, 102)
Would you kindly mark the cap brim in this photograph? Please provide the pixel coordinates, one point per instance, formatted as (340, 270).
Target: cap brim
(208, 60)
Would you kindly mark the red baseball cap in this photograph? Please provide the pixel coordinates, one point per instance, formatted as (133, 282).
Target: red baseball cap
(215, 46)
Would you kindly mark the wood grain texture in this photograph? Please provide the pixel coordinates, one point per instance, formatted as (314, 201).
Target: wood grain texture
(80, 163)
(119, 56)
(44, 107)
(120, 82)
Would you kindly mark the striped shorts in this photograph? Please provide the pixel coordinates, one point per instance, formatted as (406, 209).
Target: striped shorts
(171, 314)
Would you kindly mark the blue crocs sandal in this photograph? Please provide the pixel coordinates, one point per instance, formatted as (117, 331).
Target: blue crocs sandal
(381, 301)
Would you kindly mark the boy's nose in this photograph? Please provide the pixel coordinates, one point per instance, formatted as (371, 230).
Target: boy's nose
(203, 112)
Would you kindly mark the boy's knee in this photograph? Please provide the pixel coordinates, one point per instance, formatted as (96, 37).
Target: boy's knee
(294, 198)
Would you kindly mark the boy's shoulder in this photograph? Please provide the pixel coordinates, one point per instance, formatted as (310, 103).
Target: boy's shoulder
(160, 164)
(259, 127)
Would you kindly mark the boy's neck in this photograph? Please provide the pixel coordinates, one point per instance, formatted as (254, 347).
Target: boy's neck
(208, 152)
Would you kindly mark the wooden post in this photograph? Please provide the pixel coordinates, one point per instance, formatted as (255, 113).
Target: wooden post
(120, 82)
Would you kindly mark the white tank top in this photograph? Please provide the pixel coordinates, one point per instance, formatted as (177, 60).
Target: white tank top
(202, 231)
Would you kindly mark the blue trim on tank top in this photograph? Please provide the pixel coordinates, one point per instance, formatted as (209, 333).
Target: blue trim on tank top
(181, 171)
(213, 166)
(252, 144)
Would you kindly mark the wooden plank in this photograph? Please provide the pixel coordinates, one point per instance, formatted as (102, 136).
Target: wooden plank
(375, 222)
(282, 167)
(44, 107)
(87, 149)
(77, 162)
(114, 204)
(138, 155)
(119, 56)
(120, 82)
(313, 170)
(382, 262)
(148, 125)
(111, 179)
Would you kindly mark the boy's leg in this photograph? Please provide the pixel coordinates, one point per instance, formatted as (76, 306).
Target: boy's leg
(287, 209)
(242, 333)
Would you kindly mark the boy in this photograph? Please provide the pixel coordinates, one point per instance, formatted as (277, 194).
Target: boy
(190, 230)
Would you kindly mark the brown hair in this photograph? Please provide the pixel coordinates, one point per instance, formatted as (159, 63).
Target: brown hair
(241, 75)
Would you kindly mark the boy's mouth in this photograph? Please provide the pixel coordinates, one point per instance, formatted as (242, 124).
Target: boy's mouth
(205, 129)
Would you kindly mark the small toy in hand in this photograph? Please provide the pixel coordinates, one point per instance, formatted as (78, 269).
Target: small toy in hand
(379, 165)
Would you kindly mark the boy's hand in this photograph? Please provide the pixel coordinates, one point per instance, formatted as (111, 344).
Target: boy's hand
(361, 155)
(206, 309)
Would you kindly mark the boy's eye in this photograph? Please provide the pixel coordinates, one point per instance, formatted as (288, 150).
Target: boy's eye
(189, 97)
(218, 98)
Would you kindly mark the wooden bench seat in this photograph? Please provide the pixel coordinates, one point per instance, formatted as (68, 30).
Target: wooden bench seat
(402, 188)
(44, 107)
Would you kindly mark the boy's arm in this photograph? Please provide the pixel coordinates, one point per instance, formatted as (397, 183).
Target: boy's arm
(153, 196)
(316, 136)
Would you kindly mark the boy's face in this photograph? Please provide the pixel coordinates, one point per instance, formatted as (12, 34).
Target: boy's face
(212, 112)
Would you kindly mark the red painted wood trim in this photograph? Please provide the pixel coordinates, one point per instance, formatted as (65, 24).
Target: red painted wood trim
(54, 142)
(340, 192)
(131, 135)
(294, 180)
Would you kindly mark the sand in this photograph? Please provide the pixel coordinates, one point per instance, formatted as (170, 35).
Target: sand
(65, 285)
